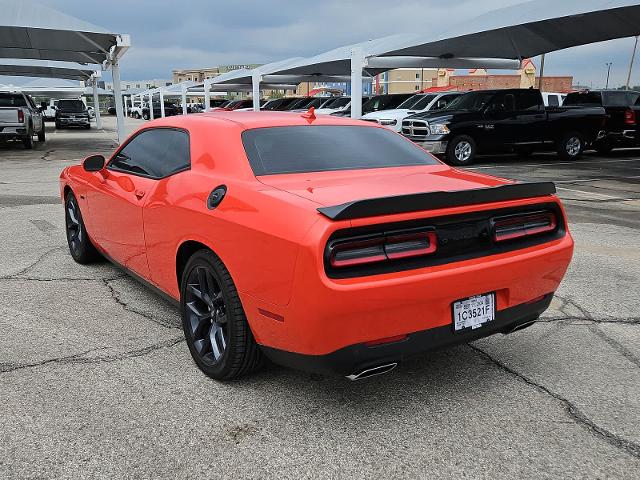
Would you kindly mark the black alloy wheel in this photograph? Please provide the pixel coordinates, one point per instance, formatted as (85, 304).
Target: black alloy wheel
(80, 246)
(214, 323)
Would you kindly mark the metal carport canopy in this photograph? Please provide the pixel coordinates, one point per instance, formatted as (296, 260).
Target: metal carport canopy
(498, 39)
(47, 71)
(29, 30)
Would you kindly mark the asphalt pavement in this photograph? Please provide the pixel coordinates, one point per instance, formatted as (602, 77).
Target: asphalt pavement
(96, 379)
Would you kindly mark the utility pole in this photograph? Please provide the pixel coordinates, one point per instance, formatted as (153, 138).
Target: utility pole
(633, 56)
(608, 73)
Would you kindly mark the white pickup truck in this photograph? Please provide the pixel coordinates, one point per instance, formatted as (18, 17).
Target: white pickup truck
(20, 119)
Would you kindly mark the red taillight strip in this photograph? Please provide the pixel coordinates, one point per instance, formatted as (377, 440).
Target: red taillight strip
(523, 226)
(395, 246)
(630, 117)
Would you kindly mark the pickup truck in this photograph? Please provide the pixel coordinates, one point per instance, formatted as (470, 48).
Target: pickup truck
(622, 108)
(20, 119)
(169, 110)
(489, 121)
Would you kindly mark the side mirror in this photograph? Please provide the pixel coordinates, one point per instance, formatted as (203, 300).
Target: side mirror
(93, 163)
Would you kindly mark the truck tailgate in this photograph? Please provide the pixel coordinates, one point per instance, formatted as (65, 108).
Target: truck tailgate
(8, 115)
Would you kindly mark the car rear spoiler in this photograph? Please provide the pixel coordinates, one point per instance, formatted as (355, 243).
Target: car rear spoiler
(372, 207)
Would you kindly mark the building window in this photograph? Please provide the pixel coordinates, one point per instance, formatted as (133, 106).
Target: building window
(417, 76)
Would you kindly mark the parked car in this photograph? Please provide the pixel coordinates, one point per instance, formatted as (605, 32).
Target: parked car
(622, 109)
(552, 99)
(279, 104)
(315, 102)
(335, 104)
(48, 109)
(111, 110)
(235, 105)
(376, 103)
(391, 252)
(20, 119)
(92, 112)
(169, 110)
(217, 102)
(72, 113)
(421, 102)
(486, 121)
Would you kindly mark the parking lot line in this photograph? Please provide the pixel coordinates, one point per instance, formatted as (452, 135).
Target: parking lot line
(601, 195)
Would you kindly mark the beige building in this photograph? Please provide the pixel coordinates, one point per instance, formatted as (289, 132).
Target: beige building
(405, 80)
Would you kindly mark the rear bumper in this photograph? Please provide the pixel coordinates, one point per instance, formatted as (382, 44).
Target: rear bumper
(72, 121)
(12, 132)
(356, 358)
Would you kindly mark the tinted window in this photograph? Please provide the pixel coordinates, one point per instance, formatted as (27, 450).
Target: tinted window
(503, 102)
(615, 99)
(473, 101)
(417, 102)
(155, 153)
(553, 101)
(322, 148)
(71, 105)
(528, 100)
(12, 100)
(584, 98)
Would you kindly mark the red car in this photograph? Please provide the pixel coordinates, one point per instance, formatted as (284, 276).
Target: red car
(326, 244)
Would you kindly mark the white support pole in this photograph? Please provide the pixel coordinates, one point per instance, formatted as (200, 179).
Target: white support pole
(633, 56)
(162, 103)
(255, 90)
(207, 95)
(96, 104)
(126, 105)
(151, 105)
(184, 99)
(117, 92)
(357, 63)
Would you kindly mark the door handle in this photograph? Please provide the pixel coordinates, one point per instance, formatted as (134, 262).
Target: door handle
(139, 194)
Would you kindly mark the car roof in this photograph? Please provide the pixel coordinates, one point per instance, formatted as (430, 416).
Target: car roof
(251, 119)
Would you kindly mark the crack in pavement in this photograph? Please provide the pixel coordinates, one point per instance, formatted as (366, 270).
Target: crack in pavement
(61, 279)
(574, 412)
(80, 358)
(115, 295)
(32, 265)
(617, 346)
(588, 321)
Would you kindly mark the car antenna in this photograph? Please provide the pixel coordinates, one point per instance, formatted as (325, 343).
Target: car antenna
(310, 114)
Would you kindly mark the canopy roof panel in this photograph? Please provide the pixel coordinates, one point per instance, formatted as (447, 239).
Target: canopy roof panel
(45, 71)
(34, 31)
(528, 29)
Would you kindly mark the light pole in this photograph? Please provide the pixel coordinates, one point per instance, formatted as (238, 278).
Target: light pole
(633, 56)
(608, 73)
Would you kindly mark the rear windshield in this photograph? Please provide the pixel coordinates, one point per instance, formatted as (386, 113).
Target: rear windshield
(321, 148)
(73, 105)
(584, 98)
(12, 100)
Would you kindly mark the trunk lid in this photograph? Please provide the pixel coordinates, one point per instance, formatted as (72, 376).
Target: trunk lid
(335, 188)
(8, 115)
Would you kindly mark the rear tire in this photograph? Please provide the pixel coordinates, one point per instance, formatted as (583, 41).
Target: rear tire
(58, 126)
(80, 246)
(28, 140)
(571, 146)
(461, 151)
(41, 135)
(215, 326)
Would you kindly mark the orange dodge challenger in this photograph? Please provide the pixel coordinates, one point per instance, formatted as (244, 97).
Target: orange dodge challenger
(325, 244)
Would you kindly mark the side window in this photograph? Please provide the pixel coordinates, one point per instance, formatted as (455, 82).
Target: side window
(553, 101)
(529, 100)
(502, 102)
(155, 153)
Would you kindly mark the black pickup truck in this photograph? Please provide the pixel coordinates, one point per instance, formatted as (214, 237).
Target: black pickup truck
(490, 121)
(622, 108)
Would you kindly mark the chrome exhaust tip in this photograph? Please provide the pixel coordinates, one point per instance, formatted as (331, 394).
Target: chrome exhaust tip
(372, 372)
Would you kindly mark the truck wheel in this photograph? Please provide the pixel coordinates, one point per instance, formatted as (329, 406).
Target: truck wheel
(41, 135)
(145, 116)
(87, 126)
(571, 146)
(58, 126)
(136, 115)
(461, 151)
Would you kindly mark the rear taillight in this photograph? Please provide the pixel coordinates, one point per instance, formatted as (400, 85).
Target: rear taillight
(518, 226)
(20, 116)
(630, 117)
(381, 248)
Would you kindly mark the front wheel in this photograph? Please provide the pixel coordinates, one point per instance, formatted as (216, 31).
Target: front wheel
(571, 146)
(215, 326)
(145, 116)
(80, 246)
(461, 151)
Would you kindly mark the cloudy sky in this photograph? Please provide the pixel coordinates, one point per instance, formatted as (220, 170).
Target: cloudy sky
(197, 33)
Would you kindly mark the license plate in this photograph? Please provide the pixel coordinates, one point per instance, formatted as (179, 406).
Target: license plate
(472, 313)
